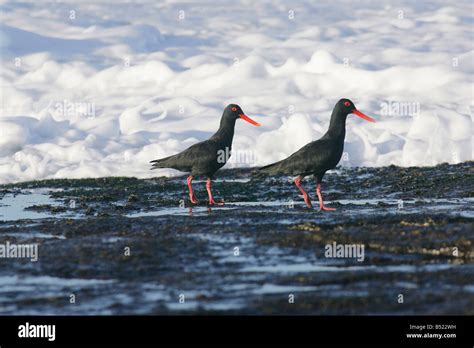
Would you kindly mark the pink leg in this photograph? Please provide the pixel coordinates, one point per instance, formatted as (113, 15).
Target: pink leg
(303, 192)
(320, 196)
(192, 197)
(211, 199)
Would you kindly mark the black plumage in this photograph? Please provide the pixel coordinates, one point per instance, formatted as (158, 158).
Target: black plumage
(318, 156)
(207, 157)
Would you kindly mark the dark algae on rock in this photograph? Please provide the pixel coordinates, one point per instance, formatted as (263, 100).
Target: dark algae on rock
(136, 246)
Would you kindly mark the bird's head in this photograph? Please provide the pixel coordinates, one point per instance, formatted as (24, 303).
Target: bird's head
(234, 112)
(347, 107)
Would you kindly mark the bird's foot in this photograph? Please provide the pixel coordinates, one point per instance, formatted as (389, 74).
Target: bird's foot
(322, 207)
(193, 199)
(213, 202)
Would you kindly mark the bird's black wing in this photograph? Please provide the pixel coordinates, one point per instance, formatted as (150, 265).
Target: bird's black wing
(198, 157)
(311, 158)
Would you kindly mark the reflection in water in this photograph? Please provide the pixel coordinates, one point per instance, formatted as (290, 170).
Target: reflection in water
(190, 210)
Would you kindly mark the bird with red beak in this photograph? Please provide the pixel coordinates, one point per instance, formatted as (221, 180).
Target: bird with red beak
(206, 158)
(319, 156)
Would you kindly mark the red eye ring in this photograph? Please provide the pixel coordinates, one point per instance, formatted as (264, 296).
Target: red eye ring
(347, 103)
(234, 109)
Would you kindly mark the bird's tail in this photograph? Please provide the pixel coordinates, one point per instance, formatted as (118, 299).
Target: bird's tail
(161, 163)
(273, 168)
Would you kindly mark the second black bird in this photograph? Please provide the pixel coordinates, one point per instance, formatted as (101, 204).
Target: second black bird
(318, 156)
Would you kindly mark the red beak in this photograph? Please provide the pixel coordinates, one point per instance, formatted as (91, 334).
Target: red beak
(249, 120)
(361, 115)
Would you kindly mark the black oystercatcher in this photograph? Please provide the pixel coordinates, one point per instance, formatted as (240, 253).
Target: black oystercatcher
(206, 157)
(321, 155)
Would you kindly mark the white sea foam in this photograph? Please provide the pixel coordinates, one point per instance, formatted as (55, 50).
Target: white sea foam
(123, 83)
